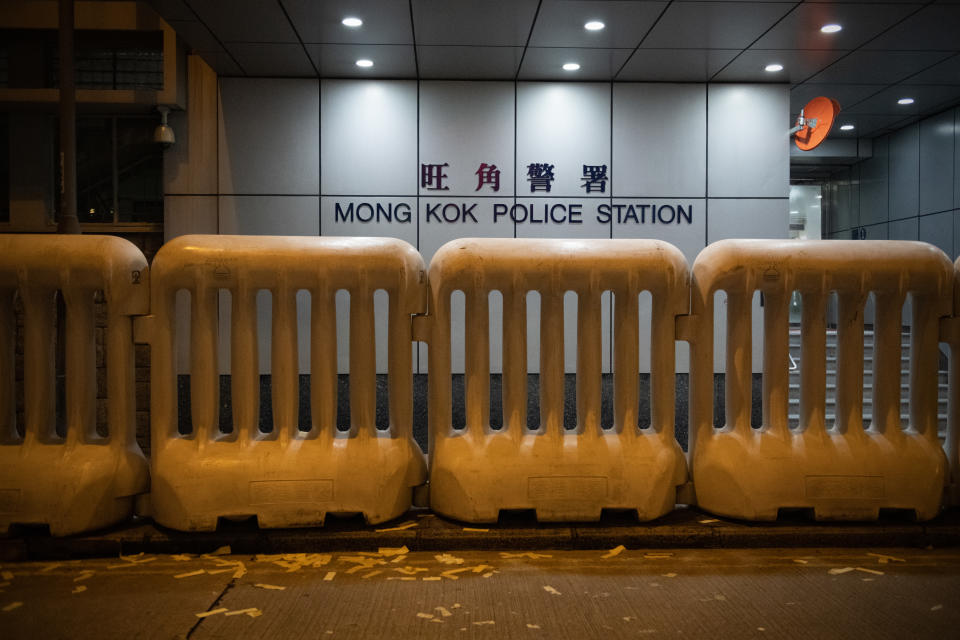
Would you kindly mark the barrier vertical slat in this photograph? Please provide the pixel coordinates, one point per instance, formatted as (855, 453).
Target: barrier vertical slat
(438, 358)
(81, 392)
(163, 375)
(399, 367)
(363, 364)
(121, 410)
(662, 368)
(204, 377)
(515, 360)
(323, 363)
(813, 356)
(551, 362)
(477, 370)
(923, 368)
(284, 360)
(245, 366)
(738, 377)
(776, 338)
(8, 331)
(849, 407)
(39, 324)
(626, 366)
(886, 364)
(589, 362)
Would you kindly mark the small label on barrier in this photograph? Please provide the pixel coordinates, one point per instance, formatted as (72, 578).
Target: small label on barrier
(287, 491)
(9, 500)
(845, 487)
(567, 488)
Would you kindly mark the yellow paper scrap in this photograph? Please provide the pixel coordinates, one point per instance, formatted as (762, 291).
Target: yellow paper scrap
(884, 559)
(132, 558)
(400, 578)
(836, 571)
(409, 571)
(425, 616)
(475, 530)
(873, 571)
(551, 590)
(214, 572)
(657, 555)
(437, 620)
(525, 554)
(393, 551)
(50, 567)
(212, 612)
(79, 589)
(936, 607)
(446, 558)
(443, 611)
(273, 587)
(12, 606)
(398, 559)
(481, 567)
(6, 575)
(329, 576)
(190, 574)
(431, 578)
(709, 521)
(253, 612)
(371, 574)
(181, 557)
(484, 622)
(488, 574)
(222, 551)
(669, 575)
(617, 550)
(532, 626)
(456, 605)
(800, 561)
(402, 527)
(84, 575)
(240, 571)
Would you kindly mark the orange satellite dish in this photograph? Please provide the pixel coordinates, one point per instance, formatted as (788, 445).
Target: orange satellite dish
(815, 121)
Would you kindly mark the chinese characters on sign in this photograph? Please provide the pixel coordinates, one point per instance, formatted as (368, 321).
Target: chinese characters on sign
(539, 174)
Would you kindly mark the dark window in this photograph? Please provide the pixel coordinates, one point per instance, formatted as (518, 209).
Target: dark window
(4, 168)
(119, 170)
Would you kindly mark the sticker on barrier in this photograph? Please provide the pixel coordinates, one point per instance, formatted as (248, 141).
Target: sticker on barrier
(861, 463)
(562, 474)
(72, 478)
(289, 476)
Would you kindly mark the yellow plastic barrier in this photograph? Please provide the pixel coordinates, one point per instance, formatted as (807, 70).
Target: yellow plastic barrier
(846, 472)
(563, 475)
(286, 477)
(950, 332)
(83, 481)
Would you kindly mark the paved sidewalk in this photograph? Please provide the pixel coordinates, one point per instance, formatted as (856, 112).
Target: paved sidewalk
(395, 593)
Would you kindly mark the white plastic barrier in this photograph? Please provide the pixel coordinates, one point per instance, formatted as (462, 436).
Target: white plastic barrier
(849, 471)
(564, 475)
(286, 477)
(82, 481)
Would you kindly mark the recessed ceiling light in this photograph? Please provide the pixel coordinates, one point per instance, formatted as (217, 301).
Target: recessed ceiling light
(831, 28)
(571, 66)
(846, 127)
(905, 101)
(594, 25)
(364, 63)
(350, 21)
(773, 67)
(794, 212)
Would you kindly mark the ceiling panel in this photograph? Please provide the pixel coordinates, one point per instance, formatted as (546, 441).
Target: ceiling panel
(678, 65)
(340, 60)
(845, 94)
(867, 125)
(560, 23)
(486, 63)
(245, 20)
(384, 21)
(797, 65)
(861, 22)
(595, 64)
(878, 67)
(173, 10)
(222, 63)
(272, 59)
(473, 22)
(926, 97)
(934, 27)
(714, 25)
(946, 72)
(196, 35)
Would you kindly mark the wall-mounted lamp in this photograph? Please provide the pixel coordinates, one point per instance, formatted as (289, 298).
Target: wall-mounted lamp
(163, 134)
